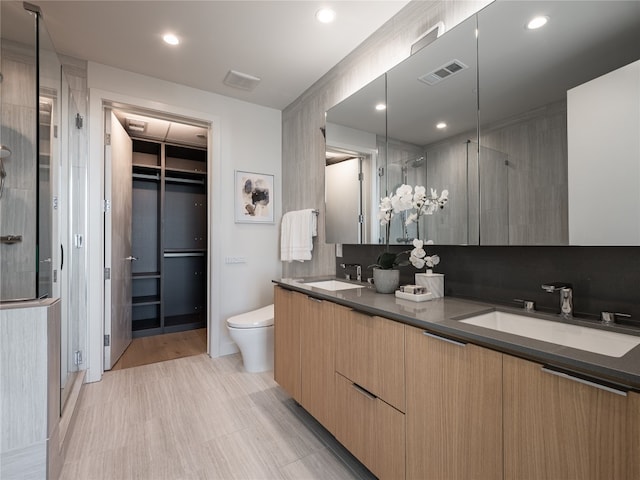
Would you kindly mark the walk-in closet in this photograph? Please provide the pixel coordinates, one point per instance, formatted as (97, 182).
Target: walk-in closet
(168, 225)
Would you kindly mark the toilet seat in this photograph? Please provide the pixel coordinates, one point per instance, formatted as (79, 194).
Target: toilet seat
(262, 317)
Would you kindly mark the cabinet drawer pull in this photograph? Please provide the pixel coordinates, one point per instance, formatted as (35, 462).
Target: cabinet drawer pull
(583, 381)
(445, 339)
(364, 392)
(314, 299)
(364, 314)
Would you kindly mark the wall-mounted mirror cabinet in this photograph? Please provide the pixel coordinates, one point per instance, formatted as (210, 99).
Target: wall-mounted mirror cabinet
(541, 145)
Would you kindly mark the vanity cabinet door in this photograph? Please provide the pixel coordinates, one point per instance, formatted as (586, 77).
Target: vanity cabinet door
(557, 427)
(454, 409)
(370, 352)
(286, 325)
(317, 361)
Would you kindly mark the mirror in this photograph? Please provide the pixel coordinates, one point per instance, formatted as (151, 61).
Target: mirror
(537, 86)
(402, 145)
(536, 174)
(355, 155)
(432, 134)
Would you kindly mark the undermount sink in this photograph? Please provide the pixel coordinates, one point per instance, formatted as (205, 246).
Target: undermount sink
(333, 285)
(612, 344)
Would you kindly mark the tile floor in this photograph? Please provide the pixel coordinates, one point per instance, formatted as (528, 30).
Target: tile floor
(199, 418)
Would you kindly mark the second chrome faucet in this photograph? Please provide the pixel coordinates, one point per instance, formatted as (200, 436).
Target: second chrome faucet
(358, 270)
(566, 296)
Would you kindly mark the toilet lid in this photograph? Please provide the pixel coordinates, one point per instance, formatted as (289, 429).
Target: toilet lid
(262, 317)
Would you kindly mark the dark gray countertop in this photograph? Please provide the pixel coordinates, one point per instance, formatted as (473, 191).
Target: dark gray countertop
(442, 316)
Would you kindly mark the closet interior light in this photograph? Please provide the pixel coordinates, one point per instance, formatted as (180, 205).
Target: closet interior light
(441, 125)
(171, 39)
(381, 106)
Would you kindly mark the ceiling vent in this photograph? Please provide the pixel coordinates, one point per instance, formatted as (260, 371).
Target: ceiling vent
(135, 125)
(445, 71)
(240, 80)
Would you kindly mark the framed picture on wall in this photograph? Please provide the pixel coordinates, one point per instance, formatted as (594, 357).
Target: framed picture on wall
(253, 197)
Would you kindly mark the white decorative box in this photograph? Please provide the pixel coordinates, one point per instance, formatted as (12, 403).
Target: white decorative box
(415, 297)
(434, 283)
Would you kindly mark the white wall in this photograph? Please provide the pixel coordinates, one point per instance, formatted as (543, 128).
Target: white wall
(243, 136)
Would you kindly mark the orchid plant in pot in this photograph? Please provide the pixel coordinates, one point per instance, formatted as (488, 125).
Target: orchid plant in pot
(417, 203)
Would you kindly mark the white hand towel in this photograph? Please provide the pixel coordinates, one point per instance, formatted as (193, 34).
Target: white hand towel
(296, 235)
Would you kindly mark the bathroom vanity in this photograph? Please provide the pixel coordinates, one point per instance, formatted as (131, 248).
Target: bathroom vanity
(413, 391)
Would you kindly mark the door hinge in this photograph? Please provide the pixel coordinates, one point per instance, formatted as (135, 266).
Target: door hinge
(55, 131)
(361, 177)
(381, 171)
(77, 358)
(107, 340)
(107, 273)
(107, 139)
(360, 218)
(79, 121)
(107, 205)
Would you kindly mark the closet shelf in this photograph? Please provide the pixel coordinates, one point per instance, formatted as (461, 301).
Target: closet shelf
(146, 176)
(184, 179)
(143, 275)
(146, 300)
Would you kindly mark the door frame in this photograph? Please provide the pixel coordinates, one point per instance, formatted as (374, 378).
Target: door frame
(95, 231)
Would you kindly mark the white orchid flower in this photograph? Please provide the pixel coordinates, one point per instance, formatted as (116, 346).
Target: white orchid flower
(419, 243)
(411, 218)
(417, 262)
(431, 208)
(404, 198)
(432, 261)
(429, 242)
(418, 253)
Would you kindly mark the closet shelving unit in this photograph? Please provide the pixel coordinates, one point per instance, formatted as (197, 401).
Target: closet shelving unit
(169, 238)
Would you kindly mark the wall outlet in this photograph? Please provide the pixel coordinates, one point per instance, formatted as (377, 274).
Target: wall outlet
(235, 259)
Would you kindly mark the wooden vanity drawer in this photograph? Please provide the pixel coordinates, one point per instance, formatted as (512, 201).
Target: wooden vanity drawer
(370, 352)
(373, 431)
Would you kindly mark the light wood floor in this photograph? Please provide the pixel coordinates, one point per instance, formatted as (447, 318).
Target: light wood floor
(195, 418)
(160, 348)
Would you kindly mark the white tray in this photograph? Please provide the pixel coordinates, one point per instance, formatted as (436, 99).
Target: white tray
(422, 297)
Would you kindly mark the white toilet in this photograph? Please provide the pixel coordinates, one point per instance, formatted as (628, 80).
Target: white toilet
(253, 333)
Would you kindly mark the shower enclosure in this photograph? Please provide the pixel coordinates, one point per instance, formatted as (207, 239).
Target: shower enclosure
(42, 177)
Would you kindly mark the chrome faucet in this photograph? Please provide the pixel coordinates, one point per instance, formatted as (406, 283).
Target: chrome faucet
(358, 270)
(566, 296)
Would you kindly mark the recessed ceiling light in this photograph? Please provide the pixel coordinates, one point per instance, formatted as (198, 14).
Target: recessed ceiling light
(381, 106)
(441, 125)
(171, 39)
(325, 15)
(537, 22)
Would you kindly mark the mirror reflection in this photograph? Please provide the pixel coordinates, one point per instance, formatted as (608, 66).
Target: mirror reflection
(544, 151)
(533, 91)
(355, 162)
(432, 135)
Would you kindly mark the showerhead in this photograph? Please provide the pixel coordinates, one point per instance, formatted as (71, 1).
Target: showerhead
(417, 162)
(5, 152)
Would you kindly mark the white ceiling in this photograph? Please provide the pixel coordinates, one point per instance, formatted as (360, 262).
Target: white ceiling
(278, 41)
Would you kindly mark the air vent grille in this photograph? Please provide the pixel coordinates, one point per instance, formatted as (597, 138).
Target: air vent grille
(445, 71)
(240, 80)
